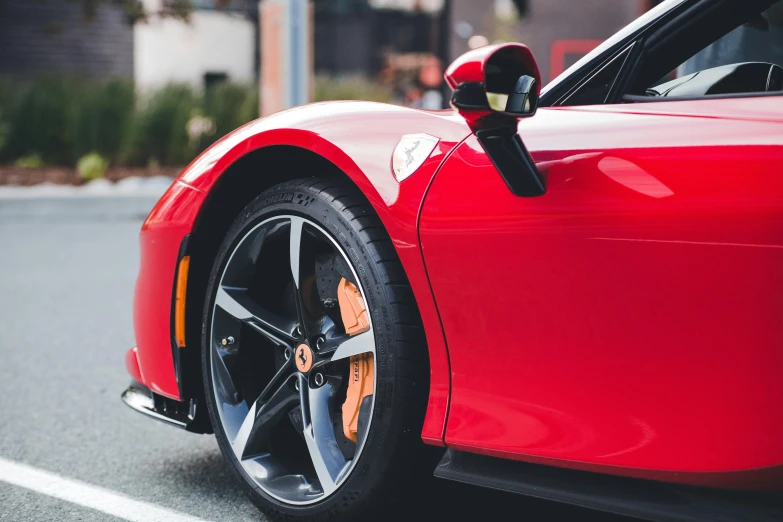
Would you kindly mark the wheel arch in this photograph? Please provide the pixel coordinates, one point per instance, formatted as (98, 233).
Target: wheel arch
(237, 186)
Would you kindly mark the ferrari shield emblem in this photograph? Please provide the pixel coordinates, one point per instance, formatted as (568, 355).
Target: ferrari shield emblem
(410, 153)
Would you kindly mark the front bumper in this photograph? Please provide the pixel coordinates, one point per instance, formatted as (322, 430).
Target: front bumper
(160, 241)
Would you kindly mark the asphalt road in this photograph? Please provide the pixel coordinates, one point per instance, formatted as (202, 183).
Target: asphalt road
(67, 271)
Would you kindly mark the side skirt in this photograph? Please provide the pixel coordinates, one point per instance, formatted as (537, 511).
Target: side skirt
(644, 499)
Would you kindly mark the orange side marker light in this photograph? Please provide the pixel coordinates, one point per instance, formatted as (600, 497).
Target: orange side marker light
(179, 303)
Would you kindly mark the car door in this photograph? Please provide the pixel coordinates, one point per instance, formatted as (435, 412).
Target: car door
(631, 315)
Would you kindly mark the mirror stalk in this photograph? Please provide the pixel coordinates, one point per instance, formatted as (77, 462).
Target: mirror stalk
(512, 160)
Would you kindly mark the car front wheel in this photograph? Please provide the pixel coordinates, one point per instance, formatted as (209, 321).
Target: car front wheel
(313, 357)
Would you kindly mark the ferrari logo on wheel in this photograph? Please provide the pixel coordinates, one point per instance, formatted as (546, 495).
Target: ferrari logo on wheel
(303, 358)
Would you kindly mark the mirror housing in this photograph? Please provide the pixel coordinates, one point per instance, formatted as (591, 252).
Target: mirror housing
(493, 87)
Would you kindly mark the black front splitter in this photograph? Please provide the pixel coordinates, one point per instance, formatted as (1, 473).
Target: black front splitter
(175, 413)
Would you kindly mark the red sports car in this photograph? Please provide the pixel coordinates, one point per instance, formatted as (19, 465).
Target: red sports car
(582, 302)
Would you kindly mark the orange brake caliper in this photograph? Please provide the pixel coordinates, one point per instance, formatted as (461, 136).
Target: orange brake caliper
(362, 375)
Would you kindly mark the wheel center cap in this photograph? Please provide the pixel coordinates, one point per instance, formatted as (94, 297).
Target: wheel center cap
(303, 358)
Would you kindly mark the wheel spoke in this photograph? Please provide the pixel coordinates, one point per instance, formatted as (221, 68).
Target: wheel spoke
(295, 258)
(327, 458)
(295, 244)
(355, 345)
(281, 377)
(236, 303)
(224, 362)
(240, 441)
(268, 417)
(225, 357)
(274, 403)
(302, 268)
(243, 262)
(331, 342)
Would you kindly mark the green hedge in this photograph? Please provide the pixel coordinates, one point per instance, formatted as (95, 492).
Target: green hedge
(58, 120)
(159, 131)
(7, 101)
(61, 119)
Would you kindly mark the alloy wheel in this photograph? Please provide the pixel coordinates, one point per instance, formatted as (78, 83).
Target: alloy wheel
(292, 356)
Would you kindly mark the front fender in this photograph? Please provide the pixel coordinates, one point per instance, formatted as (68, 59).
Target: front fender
(359, 139)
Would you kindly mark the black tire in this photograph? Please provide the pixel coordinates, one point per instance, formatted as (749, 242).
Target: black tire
(394, 462)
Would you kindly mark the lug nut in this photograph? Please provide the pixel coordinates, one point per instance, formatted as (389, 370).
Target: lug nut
(227, 341)
(287, 353)
(319, 342)
(319, 379)
(296, 385)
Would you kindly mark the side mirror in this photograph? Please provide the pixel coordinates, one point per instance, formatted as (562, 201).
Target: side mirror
(495, 84)
(493, 87)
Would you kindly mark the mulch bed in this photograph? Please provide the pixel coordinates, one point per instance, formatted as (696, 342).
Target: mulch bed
(12, 175)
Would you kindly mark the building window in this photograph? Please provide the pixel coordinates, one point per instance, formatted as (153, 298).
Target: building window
(522, 7)
(211, 79)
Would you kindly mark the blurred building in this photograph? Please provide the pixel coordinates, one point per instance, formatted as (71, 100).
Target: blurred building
(58, 36)
(218, 42)
(358, 36)
(559, 32)
(63, 37)
(402, 42)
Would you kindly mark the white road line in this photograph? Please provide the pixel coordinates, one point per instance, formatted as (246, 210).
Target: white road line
(86, 495)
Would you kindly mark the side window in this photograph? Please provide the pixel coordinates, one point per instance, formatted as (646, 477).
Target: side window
(596, 89)
(753, 42)
(741, 60)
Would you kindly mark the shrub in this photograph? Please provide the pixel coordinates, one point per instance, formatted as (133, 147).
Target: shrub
(350, 88)
(7, 104)
(63, 118)
(230, 105)
(5, 129)
(92, 166)
(31, 161)
(160, 127)
(104, 119)
(42, 121)
(201, 130)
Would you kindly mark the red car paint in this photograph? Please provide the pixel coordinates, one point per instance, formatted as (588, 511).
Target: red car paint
(346, 134)
(629, 320)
